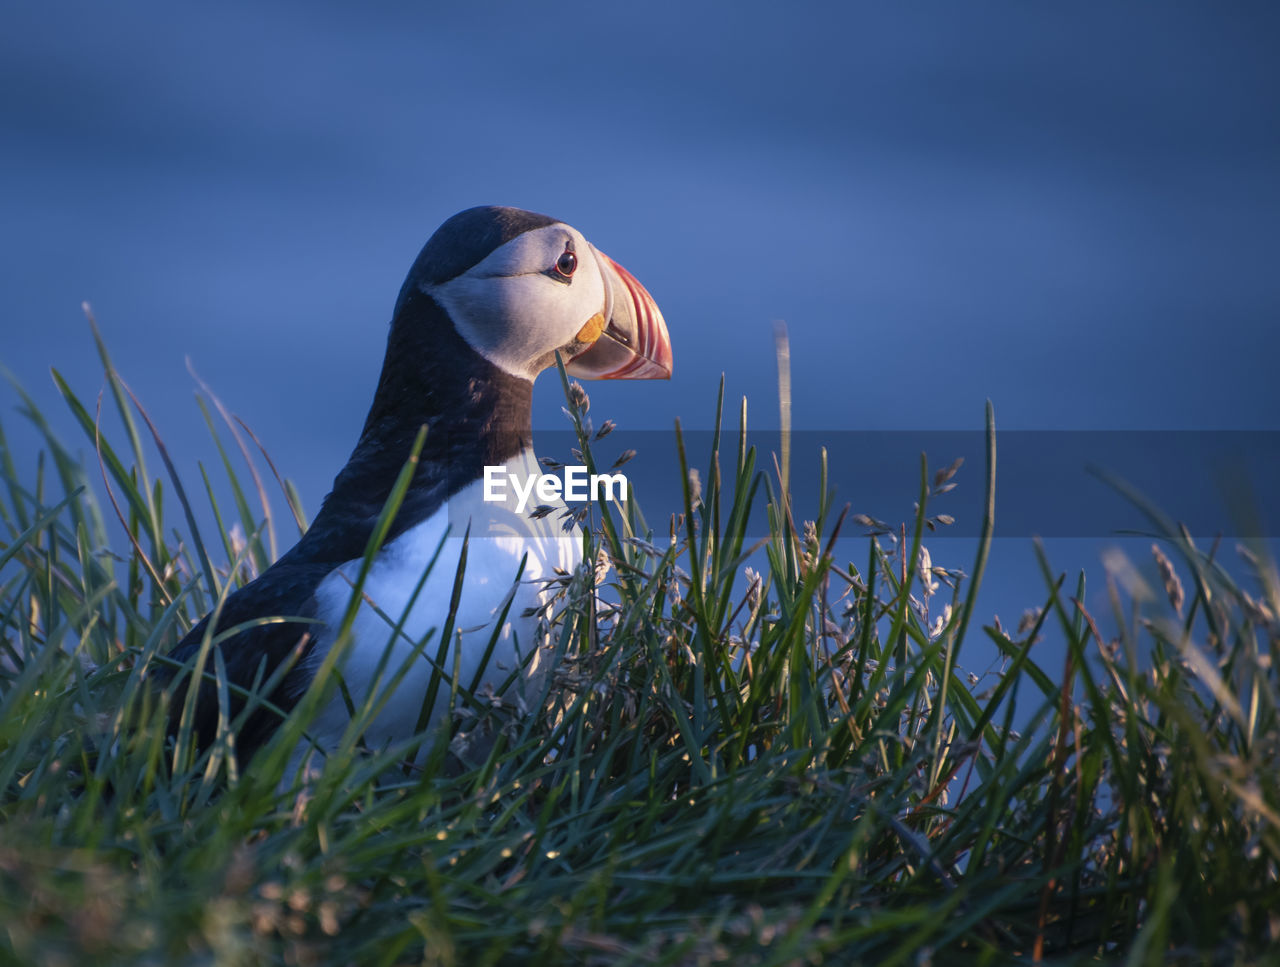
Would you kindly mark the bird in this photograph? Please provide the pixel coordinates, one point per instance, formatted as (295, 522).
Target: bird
(492, 299)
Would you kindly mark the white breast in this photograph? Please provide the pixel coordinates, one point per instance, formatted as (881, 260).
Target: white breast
(500, 538)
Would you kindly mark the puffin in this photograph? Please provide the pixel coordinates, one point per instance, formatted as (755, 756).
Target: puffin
(491, 300)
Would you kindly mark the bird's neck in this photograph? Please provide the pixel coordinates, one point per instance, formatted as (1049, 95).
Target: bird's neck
(476, 414)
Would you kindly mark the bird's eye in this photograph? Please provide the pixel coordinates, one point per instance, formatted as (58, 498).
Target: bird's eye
(566, 264)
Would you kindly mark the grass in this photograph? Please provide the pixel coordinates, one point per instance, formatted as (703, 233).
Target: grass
(783, 767)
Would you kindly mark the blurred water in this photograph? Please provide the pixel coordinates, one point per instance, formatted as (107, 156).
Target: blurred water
(1071, 211)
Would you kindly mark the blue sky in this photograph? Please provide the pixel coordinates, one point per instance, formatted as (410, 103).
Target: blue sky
(1072, 211)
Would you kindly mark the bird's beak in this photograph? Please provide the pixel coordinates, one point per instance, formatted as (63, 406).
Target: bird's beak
(633, 342)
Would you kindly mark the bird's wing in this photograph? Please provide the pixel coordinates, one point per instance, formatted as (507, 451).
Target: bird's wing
(252, 654)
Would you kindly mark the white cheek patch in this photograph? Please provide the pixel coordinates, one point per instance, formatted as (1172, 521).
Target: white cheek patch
(506, 320)
(516, 321)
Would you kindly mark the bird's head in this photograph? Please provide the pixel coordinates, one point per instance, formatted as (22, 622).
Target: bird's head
(520, 287)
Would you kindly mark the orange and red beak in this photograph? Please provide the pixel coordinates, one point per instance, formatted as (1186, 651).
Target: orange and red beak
(634, 343)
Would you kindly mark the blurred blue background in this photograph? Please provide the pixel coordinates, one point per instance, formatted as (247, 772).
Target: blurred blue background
(1073, 211)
